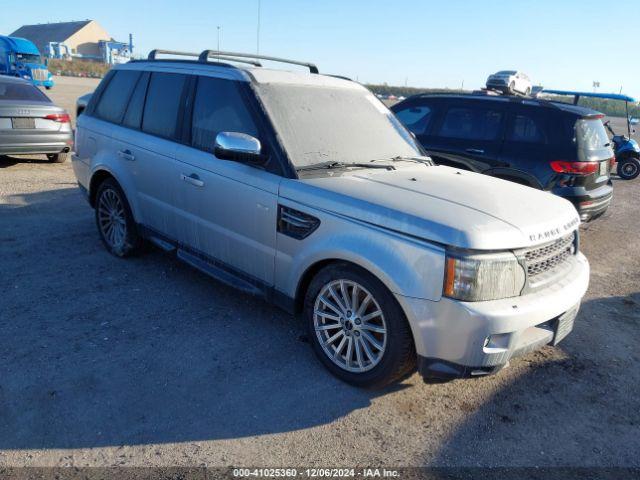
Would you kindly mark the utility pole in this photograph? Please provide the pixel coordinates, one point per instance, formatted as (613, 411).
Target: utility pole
(258, 32)
(219, 28)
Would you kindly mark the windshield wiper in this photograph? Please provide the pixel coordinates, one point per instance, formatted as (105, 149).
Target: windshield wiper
(404, 159)
(330, 165)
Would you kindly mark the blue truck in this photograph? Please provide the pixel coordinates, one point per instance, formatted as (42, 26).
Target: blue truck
(20, 58)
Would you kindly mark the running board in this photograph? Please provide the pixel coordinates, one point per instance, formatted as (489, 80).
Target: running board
(161, 244)
(219, 274)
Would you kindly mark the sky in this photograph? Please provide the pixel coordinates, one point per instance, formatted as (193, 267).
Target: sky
(561, 44)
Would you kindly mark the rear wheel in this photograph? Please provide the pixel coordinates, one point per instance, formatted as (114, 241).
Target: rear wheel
(114, 220)
(628, 168)
(356, 327)
(58, 157)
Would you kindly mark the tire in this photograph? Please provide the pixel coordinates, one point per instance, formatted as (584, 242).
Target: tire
(371, 353)
(115, 221)
(628, 168)
(58, 157)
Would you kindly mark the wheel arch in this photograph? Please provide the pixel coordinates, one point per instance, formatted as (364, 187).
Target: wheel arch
(99, 175)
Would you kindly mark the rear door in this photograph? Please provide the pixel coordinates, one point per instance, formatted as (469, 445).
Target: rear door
(145, 144)
(527, 148)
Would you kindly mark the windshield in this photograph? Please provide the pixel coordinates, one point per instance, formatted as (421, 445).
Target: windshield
(27, 58)
(327, 124)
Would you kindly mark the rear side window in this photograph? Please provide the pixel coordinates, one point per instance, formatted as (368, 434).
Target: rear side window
(218, 107)
(115, 97)
(161, 110)
(471, 124)
(416, 118)
(527, 129)
(133, 117)
(21, 91)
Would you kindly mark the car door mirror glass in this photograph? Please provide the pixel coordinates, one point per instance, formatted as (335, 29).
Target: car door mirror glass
(239, 147)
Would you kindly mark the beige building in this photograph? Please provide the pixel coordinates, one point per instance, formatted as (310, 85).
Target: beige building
(80, 37)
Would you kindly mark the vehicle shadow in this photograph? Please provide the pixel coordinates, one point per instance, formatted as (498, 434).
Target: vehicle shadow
(535, 421)
(99, 351)
(10, 161)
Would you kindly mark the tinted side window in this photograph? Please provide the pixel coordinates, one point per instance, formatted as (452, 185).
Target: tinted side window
(218, 107)
(133, 116)
(164, 96)
(471, 123)
(416, 118)
(526, 128)
(113, 100)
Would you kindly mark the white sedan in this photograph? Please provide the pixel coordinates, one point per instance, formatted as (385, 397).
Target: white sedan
(510, 81)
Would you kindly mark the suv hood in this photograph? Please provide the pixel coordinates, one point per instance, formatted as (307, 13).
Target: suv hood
(441, 204)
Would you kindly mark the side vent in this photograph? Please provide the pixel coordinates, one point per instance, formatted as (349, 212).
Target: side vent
(296, 224)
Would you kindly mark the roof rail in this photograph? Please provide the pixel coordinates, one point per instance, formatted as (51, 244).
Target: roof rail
(154, 53)
(206, 54)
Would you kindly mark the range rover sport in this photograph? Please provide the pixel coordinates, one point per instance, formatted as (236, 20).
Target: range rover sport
(305, 189)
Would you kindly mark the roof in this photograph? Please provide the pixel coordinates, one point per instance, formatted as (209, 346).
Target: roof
(539, 102)
(20, 45)
(608, 96)
(44, 33)
(226, 69)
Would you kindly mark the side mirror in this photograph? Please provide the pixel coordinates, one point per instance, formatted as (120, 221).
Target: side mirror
(239, 147)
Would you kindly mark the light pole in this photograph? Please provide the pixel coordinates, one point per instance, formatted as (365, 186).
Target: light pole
(258, 32)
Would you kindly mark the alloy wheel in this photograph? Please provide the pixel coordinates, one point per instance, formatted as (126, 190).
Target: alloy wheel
(350, 325)
(112, 219)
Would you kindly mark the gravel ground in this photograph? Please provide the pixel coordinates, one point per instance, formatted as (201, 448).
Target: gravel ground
(148, 362)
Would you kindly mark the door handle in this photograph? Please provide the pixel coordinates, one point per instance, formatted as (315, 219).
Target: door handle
(477, 151)
(193, 179)
(126, 154)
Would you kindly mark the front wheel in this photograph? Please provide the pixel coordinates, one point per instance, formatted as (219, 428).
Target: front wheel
(628, 168)
(356, 327)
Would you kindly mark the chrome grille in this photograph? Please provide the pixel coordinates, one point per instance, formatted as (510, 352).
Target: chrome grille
(39, 74)
(542, 259)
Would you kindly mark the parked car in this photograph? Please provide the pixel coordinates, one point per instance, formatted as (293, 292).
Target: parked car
(30, 123)
(305, 190)
(510, 81)
(560, 148)
(82, 102)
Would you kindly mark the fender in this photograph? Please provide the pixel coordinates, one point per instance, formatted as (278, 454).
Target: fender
(406, 266)
(525, 177)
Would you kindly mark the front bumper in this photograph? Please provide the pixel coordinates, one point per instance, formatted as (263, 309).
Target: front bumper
(459, 339)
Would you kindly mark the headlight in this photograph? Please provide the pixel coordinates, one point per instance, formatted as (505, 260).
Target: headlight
(474, 278)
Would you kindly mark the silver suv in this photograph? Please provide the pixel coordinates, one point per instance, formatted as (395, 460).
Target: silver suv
(305, 190)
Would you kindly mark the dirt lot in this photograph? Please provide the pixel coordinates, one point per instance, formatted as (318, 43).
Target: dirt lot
(149, 362)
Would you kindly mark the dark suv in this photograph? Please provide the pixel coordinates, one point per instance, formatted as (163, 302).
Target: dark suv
(552, 146)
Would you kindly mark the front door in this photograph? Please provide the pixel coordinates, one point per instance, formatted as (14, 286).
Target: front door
(226, 210)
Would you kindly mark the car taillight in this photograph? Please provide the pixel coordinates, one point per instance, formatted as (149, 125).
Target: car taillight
(612, 162)
(575, 168)
(59, 117)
